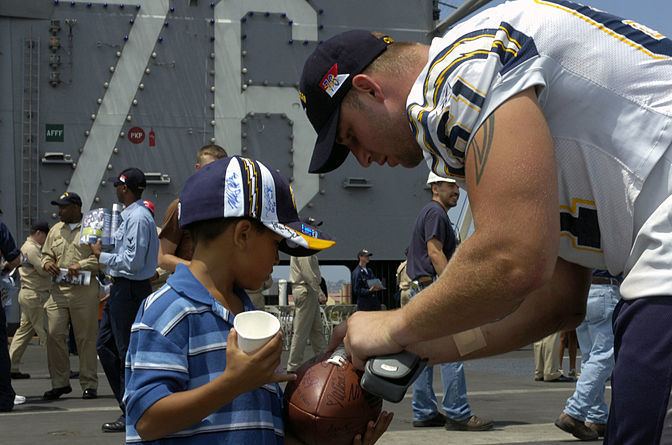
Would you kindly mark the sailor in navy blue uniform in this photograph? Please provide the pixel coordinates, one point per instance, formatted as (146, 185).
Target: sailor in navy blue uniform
(365, 294)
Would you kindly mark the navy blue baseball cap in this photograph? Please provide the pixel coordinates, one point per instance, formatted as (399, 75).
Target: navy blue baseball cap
(132, 177)
(235, 187)
(66, 199)
(326, 79)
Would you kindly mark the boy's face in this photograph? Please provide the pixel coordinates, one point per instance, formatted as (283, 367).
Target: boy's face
(262, 256)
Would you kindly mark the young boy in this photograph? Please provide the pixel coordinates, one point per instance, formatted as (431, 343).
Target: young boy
(187, 381)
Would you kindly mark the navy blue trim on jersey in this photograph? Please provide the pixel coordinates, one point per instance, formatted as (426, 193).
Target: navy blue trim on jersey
(584, 227)
(462, 89)
(528, 49)
(657, 46)
(479, 54)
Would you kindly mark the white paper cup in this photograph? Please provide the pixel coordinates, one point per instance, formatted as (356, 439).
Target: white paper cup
(255, 329)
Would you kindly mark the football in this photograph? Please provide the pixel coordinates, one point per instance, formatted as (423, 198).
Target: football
(325, 404)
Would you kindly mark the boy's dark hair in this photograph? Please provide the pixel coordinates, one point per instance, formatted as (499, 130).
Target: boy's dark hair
(209, 229)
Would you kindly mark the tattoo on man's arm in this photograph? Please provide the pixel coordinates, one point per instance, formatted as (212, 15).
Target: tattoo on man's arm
(481, 152)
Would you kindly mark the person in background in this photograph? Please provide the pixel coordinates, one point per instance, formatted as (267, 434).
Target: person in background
(305, 276)
(547, 360)
(75, 304)
(35, 286)
(433, 242)
(131, 266)
(403, 282)
(568, 340)
(586, 412)
(10, 258)
(365, 293)
(175, 244)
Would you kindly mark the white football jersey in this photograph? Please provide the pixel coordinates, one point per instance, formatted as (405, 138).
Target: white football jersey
(604, 84)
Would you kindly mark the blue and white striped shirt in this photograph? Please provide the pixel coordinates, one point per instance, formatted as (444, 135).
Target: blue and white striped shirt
(178, 343)
(136, 245)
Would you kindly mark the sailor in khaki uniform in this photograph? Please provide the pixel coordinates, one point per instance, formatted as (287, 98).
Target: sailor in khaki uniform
(35, 287)
(304, 274)
(76, 304)
(404, 283)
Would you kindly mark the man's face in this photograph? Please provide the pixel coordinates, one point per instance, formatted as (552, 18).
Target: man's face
(69, 213)
(448, 193)
(364, 259)
(372, 134)
(120, 189)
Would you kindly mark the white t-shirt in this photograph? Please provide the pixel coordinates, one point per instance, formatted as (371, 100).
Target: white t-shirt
(605, 87)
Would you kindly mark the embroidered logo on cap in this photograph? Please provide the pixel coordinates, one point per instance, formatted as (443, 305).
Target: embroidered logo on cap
(332, 81)
(122, 178)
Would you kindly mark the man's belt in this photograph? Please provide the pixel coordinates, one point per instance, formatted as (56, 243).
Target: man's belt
(425, 280)
(605, 280)
(421, 282)
(120, 279)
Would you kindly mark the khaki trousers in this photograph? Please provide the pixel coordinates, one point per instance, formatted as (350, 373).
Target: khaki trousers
(546, 358)
(33, 321)
(307, 324)
(78, 306)
(405, 297)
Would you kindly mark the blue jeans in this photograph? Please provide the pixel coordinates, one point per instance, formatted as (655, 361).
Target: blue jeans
(596, 340)
(455, 403)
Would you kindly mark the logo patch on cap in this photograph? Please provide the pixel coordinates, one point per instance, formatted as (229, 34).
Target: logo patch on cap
(332, 81)
(122, 178)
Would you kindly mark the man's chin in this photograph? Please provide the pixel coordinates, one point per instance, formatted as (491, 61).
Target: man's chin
(410, 163)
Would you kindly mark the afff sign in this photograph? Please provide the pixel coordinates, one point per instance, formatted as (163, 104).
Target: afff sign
(136, 135)
(54, 132)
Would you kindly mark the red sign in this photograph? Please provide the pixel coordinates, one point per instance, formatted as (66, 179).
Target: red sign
(136, 135)
(152, 138)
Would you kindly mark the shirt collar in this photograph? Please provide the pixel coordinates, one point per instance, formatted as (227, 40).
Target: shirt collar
(184, 283)
(78, 225)
(131, 207)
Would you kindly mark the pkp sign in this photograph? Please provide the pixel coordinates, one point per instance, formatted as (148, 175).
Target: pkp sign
(136, 135)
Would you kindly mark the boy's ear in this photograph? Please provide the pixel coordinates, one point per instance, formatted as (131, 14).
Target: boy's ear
(241, 233)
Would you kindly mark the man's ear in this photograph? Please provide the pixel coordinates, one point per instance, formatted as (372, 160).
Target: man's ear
(369, 86)
(241, 233)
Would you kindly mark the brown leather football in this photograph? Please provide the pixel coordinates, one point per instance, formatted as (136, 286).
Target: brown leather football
(325, 404)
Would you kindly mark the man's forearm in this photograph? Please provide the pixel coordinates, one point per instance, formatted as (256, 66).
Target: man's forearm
(557, 306)
(482, 283)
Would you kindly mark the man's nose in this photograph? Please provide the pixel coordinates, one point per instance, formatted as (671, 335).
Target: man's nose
(362, 156)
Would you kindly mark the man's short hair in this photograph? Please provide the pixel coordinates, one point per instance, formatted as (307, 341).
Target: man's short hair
(212, 150)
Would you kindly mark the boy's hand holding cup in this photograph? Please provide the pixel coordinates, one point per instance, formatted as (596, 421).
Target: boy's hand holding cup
(254, 350)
